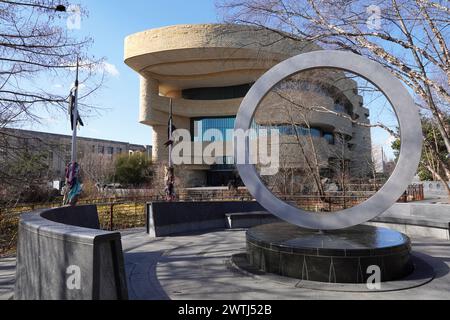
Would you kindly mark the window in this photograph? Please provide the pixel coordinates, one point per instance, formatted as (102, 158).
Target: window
(225, 160)
(326, 173)
(316, 132)
(119, 150)
(222, 129)
(329, 137)
(110, 150)
(101, 149)
(217, 93)
(93, 149)
(338, 107)
(293, 130)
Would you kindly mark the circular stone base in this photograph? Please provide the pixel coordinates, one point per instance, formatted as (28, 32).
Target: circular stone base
(344, 256)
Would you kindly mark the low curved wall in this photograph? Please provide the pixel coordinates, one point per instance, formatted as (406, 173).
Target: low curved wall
(61, 255)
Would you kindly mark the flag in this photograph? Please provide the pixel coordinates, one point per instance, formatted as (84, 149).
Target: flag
(73, 187)
(72, 102)
(171, 129)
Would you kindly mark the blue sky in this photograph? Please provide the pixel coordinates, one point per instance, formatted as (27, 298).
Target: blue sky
(108, 23)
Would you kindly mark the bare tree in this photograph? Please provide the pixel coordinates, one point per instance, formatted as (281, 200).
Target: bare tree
(410, 38)
(97, 168)
(36, 47)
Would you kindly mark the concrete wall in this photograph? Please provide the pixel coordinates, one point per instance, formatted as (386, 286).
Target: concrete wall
(425, 210)
(417, 219)
(51, 242)
(171, 218)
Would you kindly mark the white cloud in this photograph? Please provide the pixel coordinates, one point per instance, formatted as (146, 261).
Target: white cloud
(110, 69)
(389, 141)
(104, 67)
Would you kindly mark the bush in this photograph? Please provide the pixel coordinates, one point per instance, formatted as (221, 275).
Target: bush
(133, 170)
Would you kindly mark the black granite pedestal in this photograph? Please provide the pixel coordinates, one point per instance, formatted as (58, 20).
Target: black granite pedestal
(343, 256)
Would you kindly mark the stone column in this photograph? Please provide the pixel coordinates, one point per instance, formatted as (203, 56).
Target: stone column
(149, 89)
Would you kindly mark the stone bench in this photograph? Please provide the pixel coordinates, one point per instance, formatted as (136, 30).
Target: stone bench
(249, 219)
(173, 218)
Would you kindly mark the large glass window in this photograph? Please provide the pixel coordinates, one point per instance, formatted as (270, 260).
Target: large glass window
(220, 129)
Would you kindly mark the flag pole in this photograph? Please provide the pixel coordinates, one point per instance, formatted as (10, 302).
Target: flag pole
(170, 171)
(75, 119)
(73, 188)
(170, 132)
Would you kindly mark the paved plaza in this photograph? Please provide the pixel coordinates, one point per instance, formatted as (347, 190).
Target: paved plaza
(199, 267)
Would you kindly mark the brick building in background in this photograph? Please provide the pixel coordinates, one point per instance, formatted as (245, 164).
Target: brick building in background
(55, 149)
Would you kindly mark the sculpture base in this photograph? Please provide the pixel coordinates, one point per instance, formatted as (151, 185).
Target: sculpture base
(344, 256)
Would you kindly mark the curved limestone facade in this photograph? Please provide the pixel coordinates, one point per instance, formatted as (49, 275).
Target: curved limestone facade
(207, 69)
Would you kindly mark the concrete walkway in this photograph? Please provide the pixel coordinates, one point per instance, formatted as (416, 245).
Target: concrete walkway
(198, 267)
(188, 267)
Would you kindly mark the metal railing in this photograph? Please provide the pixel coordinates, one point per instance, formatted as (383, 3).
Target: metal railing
(129, 212)
(414, 193)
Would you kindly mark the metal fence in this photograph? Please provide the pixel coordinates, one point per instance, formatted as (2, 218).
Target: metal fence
(114, 213)
(118, 214)
(327, 203)
(414, 193)
(129, 212)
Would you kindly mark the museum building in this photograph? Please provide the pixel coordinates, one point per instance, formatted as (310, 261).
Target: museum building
(207, 70)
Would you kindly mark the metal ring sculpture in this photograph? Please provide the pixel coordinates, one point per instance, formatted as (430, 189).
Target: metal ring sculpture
(411, 139)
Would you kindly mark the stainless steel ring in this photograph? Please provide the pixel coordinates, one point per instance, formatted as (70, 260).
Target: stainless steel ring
(411, 139)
